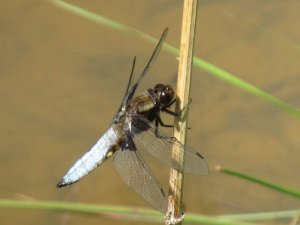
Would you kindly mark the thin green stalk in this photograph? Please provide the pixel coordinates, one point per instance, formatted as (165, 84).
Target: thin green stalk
(148, 215)
(260, 181)
(120, 212)
(115, 212)
(288, 214)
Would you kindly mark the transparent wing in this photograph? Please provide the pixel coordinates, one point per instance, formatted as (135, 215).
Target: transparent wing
(136, 174)
(160, 145)
(129, 85)
(132, 88)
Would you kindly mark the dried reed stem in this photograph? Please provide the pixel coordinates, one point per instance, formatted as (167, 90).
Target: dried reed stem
(174, 212)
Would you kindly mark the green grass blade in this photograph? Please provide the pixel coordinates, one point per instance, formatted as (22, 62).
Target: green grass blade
(200, 219)
(237, 82)
(266, 183)
(115, 212)
(288, 214)
(90, 16)
(199, 63)
(100, 19)
(130, 213)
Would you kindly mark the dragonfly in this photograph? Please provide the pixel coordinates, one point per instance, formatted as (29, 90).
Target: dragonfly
(135, 125)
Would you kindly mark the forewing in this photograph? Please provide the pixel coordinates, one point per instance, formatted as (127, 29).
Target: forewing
(129, 85)
(136, 174)
(160, 145)
(132, 89)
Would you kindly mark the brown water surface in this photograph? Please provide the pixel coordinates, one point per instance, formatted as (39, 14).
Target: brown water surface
(63, 77)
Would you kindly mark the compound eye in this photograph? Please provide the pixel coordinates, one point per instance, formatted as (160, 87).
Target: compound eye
(167, 94)
(159, 88)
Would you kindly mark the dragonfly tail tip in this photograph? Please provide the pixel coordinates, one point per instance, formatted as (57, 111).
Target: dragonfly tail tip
(61, 184)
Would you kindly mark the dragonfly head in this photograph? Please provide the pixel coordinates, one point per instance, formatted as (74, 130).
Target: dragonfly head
(165, 93)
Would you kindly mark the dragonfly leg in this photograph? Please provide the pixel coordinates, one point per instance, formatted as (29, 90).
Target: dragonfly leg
(165, 109)
(171, 112)
(171, 103)
(189, 102)
(158, 121)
